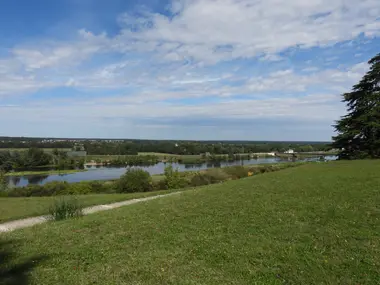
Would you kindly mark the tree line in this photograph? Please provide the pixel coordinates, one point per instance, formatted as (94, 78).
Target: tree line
(37, 158)
(133, 147)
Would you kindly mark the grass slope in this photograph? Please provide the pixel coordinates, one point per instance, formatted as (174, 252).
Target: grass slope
(315, 224)
(18, 208)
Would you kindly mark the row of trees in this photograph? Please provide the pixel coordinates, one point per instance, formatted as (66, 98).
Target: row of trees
(191, 148)
(180, 147)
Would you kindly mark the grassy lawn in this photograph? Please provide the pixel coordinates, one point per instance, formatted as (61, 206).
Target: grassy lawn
(47, 172)
(17, 208)
(314, 224)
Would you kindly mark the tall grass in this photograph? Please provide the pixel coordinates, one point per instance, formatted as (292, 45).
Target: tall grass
(66, 208)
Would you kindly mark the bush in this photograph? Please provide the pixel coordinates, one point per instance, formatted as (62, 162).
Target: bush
(78, 188)
(236, 172)
(55, 188)
(63, 188)
(200, 179)
(160, 185)
(173, 178)
(216, 175)
(65, 208)
(102, 187)
(135, 180)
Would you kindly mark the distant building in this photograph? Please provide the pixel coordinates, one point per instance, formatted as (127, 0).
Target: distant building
(289, 151)
(271, 153)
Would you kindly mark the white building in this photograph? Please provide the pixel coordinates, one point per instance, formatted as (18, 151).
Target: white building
(290, 151)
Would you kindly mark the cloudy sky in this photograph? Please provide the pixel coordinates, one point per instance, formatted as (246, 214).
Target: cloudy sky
(202, 69)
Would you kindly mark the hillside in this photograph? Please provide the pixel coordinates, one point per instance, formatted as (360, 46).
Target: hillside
(315, 224)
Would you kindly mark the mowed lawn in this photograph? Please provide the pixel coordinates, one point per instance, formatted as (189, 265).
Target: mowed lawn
(18, 208)
(314, 224)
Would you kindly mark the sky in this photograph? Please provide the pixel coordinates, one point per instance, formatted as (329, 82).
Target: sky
(182, 69)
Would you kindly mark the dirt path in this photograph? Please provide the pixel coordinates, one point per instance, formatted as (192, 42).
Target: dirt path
(28, 222)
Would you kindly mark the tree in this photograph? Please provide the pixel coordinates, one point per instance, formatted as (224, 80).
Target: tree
(359, 130)
(135, 180)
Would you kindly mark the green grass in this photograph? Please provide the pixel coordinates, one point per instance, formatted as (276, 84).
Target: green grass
(18, 208)
(157, 154)
(47, 172)
(104, 157)
(314, 224)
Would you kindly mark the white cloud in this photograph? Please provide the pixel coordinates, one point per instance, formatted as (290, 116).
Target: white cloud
(51, 54)
(252, 28)
(317, 107)
(175, 52)
(333, 79)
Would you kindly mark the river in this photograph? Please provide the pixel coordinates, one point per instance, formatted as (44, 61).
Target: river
(108, 173)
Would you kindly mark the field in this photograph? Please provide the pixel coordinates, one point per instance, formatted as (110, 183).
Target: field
(314, 224)
(17, 208)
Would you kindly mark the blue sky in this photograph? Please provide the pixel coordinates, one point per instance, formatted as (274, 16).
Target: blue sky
(211, 69)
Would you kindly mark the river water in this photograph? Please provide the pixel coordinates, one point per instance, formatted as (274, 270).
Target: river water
(108, 173)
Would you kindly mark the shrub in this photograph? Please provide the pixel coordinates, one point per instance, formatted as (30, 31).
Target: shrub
(173, 178)
(200, 179)
(78, 188)
(102, 187)
(135, 180)
(216, 175)
(53, 188)
(160, 185)
(65, 208)
(236, 172)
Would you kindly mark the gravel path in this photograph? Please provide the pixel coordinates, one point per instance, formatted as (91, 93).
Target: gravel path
(28, 222)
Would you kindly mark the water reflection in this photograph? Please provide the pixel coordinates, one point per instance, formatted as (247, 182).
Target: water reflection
(107, 173)
(14, 180)
(36, 179)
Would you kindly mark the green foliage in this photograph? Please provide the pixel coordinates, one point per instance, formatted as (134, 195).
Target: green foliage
(62, 188)
(359, 131)
(173, 178)
(3, 181)
(159, 185)
(167, 147)
(236, 172)
(135, 180)
(210, 176)
(200, 179)
(66, 208)
(36, 158)
(133, 160)
(217, 175)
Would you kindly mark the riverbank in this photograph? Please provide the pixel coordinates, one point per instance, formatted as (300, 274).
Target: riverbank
(46, 172)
